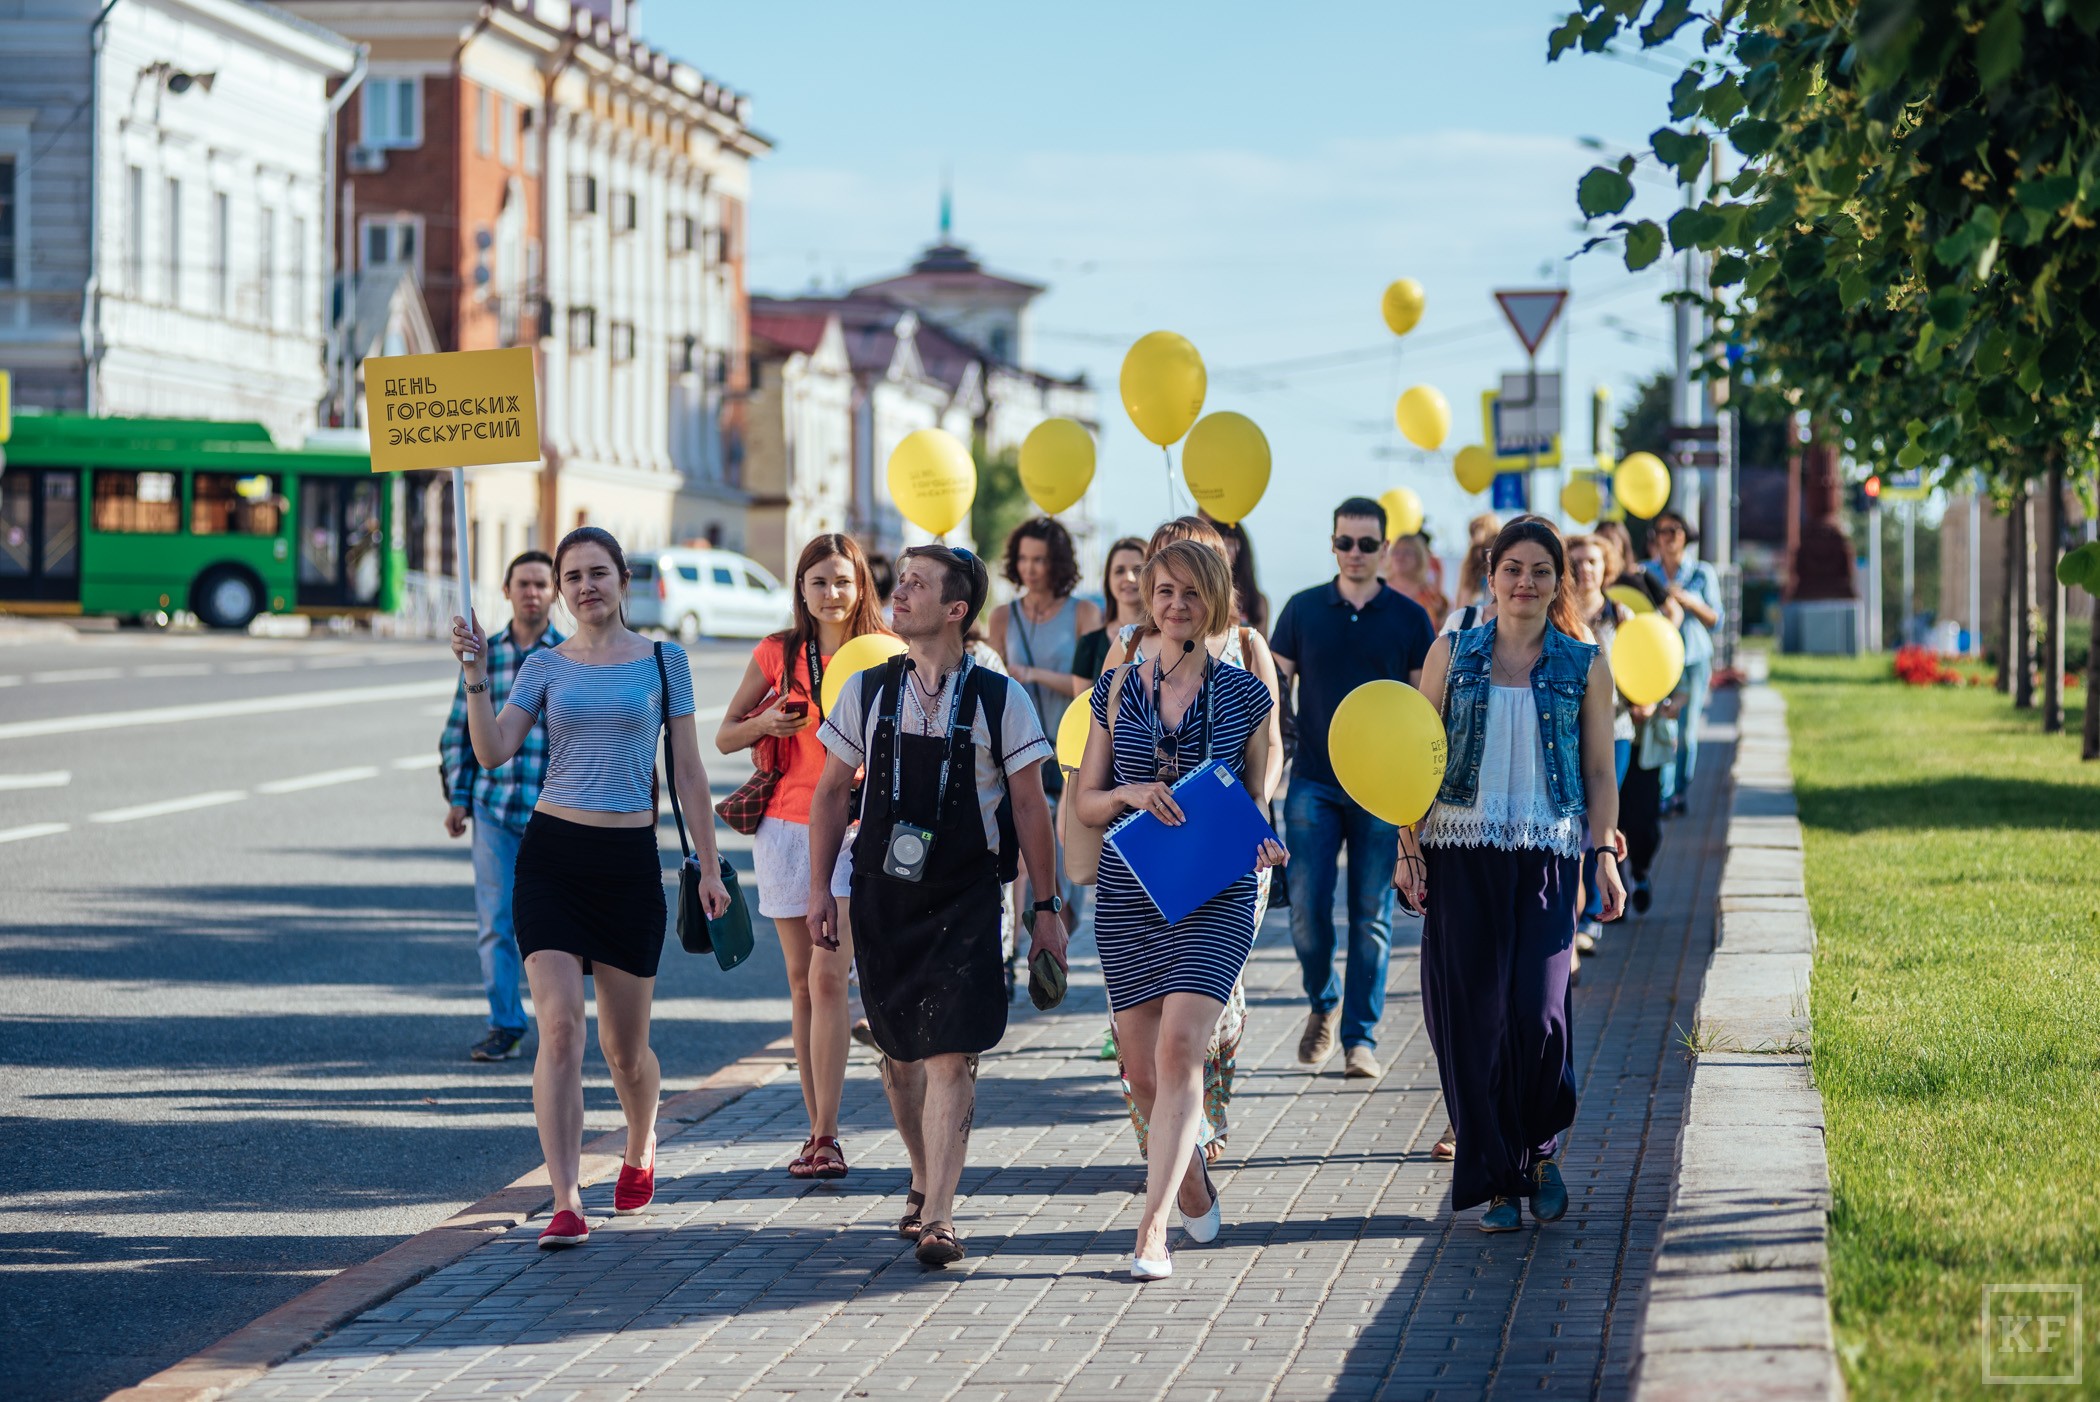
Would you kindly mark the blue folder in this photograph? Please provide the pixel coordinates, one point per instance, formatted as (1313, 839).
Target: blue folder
(1182, 867)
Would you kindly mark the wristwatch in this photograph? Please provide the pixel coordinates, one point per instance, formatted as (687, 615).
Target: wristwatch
(477, 688)
(1050, 907)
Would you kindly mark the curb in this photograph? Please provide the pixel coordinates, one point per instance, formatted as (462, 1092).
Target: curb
(301, 1322)
(1739, 1304)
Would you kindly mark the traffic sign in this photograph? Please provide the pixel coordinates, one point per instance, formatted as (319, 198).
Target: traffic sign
(1514, 441)
(1531, 406)
(1905, 485)
(1532, 314)
(1509, 493)
(7, 413)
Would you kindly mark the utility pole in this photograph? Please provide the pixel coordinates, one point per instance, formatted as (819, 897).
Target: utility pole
(1910, 571)
(1873, 574)
(1975, 564)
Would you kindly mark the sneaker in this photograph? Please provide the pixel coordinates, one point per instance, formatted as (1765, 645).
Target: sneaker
(1501, 1216)
(1586, 933)
(1361, 1065)
(1318, 1042)
(498, 1046)
(636, 1187)
(1549, 1196)
(567, 1229)
(1642, 897)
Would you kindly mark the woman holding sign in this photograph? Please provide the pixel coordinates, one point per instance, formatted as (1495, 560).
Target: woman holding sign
(1154, 721)
(589, 896)
(1529, 784)
(776, 709)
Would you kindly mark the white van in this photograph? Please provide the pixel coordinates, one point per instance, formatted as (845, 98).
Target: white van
(700, 593)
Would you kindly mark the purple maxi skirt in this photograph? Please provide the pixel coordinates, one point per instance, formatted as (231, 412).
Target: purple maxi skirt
(1495, 945)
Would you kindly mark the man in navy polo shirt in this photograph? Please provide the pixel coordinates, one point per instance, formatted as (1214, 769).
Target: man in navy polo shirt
(1332, 639)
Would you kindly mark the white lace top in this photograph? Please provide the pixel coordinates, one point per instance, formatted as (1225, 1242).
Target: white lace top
(1512, 807)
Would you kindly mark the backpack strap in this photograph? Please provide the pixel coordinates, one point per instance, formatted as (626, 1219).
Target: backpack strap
(989, 689)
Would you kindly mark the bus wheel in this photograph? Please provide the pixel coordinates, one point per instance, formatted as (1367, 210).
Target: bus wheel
(227, 596)
(689, 629)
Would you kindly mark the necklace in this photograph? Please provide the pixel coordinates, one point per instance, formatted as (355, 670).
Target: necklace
(1522, 669)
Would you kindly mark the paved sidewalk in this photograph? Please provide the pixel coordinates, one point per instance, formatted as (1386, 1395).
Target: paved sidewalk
(1341, 1271)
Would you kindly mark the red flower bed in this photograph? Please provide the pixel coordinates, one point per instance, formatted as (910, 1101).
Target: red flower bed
(1921, 666)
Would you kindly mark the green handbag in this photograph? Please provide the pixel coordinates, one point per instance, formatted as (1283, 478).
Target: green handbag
(729, 937)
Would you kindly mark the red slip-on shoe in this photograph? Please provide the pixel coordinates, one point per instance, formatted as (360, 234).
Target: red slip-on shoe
(567, 1229)
(636, 1187)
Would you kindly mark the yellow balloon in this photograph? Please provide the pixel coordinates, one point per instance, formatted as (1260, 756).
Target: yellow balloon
(1403, 512)
(1647, 659)
(1642, 484)
(933, 480)
(857, 655)
(1424, 417)
(1402, 306)
(1475, 468)
(1387, 746)
(1579, 499)
(1072, 733)
(1163, 386)
(1628, 597)
(1226, 464)
(1057, 463)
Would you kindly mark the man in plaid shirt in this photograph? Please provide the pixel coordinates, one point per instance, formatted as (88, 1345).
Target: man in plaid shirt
(500, 800)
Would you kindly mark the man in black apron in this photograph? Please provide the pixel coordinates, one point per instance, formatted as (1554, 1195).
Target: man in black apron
(953, 794)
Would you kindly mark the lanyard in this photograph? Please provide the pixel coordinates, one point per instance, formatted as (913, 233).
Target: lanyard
(955, 731)
(1159, 716)
(816, 675)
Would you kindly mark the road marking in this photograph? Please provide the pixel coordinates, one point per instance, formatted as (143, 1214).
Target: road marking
(220, 710)
(79, 674)
(282, 664)
(169, 805)
(54, 779)
(174, 669)
(320, 780)
(10, 681)
(33, 830)
(417, 762)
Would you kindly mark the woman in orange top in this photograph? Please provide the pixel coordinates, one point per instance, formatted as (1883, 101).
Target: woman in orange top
(779, 699)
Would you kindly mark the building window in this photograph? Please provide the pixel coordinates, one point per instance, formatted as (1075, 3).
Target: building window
(390, 240)
(506, 131)
(484, 122)
(583, 328)
(393, 116)
(622, 341)
(136, 503)
(626, 211)
(531, 151)
(683, 233)
(173, 281)
(221, 241)
(9, 277)
(1002, 344)
(135, 232)
(266, 269)
(688, 354)
(225, 503)
(583, 195)
(298, 270)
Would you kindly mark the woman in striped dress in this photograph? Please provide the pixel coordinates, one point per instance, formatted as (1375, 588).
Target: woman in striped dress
(1168, 983)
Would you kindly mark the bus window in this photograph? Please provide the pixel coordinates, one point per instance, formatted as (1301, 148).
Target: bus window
(136, 503)
(225, 503)
(320, 531)
(364, 542)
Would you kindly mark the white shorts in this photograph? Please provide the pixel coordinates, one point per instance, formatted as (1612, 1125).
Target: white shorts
(780, 863)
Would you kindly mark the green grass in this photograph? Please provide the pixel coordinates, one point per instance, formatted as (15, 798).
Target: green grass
(1953, 859)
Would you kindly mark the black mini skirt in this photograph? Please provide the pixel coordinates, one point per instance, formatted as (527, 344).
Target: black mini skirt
(596, 893)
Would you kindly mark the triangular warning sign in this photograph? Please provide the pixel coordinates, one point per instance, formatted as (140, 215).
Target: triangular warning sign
(1532, 314)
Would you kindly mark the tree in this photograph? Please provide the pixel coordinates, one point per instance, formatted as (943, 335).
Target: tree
(1001, 502)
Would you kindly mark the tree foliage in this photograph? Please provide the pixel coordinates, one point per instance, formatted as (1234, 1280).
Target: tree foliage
(1907, 235)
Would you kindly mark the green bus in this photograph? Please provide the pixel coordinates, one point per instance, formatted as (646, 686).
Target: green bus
(147, 517)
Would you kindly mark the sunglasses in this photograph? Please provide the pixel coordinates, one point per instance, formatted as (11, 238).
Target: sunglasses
(1362, 544)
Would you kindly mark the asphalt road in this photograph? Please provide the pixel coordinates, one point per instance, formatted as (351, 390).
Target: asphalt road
(238, 982)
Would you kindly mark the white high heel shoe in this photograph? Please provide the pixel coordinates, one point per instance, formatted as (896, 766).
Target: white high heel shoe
(1142, 1269)
(1203, 1230)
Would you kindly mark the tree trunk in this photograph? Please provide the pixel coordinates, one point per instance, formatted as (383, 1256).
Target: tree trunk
(2009, 610)
(2052, 515)
(2022, 566)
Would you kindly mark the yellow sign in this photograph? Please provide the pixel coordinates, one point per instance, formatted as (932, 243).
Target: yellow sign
(1513, 447)
(7, 413)
(457, 409)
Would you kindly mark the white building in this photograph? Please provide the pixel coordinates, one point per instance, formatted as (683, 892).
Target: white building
(166, 173)
(798, 464)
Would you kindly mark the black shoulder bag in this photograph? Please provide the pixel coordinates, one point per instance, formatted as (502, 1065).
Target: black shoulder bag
(729, 938)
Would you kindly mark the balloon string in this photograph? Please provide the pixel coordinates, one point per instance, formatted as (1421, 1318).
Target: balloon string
(1167, 457)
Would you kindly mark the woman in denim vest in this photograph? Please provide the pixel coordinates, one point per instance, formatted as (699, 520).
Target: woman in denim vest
(1529, 787)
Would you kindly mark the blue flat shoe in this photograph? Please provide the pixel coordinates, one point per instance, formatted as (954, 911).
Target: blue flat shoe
(1501, 1216)
(1549, 1196)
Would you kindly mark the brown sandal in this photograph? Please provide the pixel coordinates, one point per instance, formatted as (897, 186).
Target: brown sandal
(909, 1227)
(1446, 1146)
(939, 1246)
(798, 1166)
(826, 1158)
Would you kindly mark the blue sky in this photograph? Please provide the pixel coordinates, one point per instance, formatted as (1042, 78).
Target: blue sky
(1251, 176)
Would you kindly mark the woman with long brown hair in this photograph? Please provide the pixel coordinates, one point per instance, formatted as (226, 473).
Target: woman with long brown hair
(778, 705)
(1126, 607)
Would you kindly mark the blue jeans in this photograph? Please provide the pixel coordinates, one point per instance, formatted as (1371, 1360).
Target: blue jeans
(495, 866)
(1592, 898)
(1321, 822)
(1677, 778)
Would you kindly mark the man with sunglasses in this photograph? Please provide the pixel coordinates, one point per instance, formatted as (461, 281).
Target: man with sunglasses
(1329, 640)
